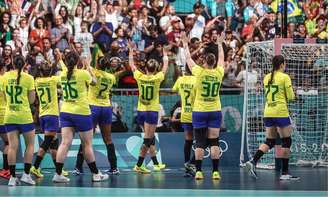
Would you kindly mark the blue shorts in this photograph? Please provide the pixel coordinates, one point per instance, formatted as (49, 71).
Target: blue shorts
(3, 129)
(81, 123)
(187, 127)
(206, 119)
(101, 115)
(276, 122)
(150, 117)
(49, 123)
(22, 128)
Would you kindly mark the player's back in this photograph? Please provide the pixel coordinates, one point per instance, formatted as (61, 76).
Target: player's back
(75, 92)
(17, 96)
(277, 94)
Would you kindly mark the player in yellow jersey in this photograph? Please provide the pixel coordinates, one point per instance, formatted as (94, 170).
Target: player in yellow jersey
(278, 91)
(75, 115)
(185, 86)
(46, 87)
(206, 115)
(19, 94)
(101, 108)
(148, 106)
(4, 172)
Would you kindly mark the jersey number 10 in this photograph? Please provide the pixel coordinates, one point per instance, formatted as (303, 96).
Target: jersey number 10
(147, 92)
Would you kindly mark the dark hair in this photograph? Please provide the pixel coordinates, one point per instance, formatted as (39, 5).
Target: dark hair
(103, 63)
(36, 22)
(71, 60)
(194, 39)
(65, 18)
(3, 13)
(277, 60)
(45, 70)
(19, 63)
(210, 60)
(2, 63)
(152, 65)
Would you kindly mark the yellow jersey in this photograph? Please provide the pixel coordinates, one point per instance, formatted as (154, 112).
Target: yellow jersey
(46, 88)
(99, 94)
(185, 86)
(2, 102)
(75, 92)
(277, 94)
(18, 109)
(148, 86)
(208, 83)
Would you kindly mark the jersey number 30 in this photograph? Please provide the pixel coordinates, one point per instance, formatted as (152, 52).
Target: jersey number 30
(210, 89)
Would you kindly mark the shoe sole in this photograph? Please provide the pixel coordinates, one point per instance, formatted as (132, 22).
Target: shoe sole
(100, 180)
(250, 171)
(27, 182)
(199, 178)
(60, 181)
(36, 175)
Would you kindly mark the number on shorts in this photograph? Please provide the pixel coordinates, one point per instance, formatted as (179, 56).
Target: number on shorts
(14, 92)
(42, 91)
(70, 91)
(147, 92)
(273, 89)
(210, 89)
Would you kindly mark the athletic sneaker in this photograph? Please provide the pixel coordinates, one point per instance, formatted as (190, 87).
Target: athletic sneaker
(60, 179)
(114, 171)
(13, 181)
(26, 178)
(190, 167)
(289, 177)
(141, 169)
(250, 167)
(99, 177)
(64, 172)
(216, 175)
(5, 174)
(199, 175)
(36, 172)
(159, 167)
(77, 172)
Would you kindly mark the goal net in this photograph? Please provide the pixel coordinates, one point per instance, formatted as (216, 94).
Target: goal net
(307, 65)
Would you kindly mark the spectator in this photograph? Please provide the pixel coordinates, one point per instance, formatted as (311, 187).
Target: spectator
(48, 53)
(102, 32)
(85, 38)
(122, 42)
(16, 44)
(5, 28)
(199, 22)
(78, 18)
(166, 21)
(60, 34)
(7, 55)
(36, 36)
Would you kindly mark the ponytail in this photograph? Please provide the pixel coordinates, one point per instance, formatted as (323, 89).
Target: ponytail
(276, 63)
(19, 63)
(71, 60)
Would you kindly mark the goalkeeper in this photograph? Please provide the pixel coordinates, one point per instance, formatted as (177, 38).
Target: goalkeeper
(278, 90)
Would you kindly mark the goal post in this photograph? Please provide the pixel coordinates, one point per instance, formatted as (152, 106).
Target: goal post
(307, 65)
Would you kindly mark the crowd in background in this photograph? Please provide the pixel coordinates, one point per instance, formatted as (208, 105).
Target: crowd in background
(39, 28)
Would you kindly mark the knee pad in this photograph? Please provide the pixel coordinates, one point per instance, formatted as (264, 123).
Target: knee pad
(286, 142)
(270, 142)
(201, 138)
(189, 142)
(46, 142)
(54, 144)
(153, 141)
(213, 142)
(6, 143)
(147, 142)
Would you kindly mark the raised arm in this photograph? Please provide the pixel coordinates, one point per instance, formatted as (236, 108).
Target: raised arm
(165, 59)
(131, 60)
(190, 61)
(220, 41)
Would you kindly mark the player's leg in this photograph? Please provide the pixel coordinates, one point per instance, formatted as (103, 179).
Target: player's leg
(29, 137)
(213, 142)
(285, 131)
(270, 141)
(67, 138)
(188, 160)
(4, 172)
(152, 151)
(13, 139)
(86, 139)
(105, 124)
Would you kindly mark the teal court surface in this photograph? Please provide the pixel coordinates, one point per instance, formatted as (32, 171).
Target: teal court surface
(234, 182)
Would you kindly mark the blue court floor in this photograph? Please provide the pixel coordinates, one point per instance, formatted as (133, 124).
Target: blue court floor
(234, 182)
